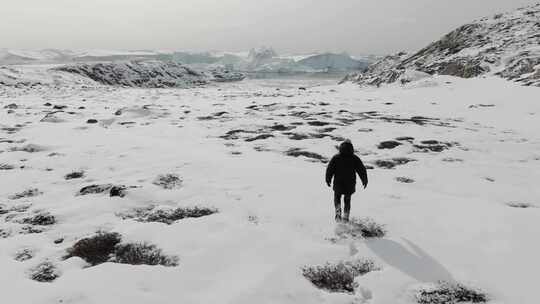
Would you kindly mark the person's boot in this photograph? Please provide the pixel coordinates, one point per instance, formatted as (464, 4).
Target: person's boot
(338, 214)
(346, 217)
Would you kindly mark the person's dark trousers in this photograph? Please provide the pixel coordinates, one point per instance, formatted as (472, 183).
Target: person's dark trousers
(347, 206)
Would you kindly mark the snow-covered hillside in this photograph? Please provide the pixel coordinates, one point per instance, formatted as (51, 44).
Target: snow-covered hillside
(155, 74)
(144, 73)
(220, 191)
(506, 45)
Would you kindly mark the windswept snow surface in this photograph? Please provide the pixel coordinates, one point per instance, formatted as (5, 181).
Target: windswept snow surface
(452, 223)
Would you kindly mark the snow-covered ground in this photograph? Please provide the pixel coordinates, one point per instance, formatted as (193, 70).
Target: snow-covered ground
(449, 221)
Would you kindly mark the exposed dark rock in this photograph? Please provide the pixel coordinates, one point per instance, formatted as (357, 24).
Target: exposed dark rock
(40, 219)
(462, 67)
(296, 152)
(233, 134)
(521, 205)
(97, 249)
(213, 116)
(522, 68)
(259, 137)
(30, 148)
(432, 146)
(419, 120)
(452, 160)
(168, 181)
(392, 163)
(91, 121)
(6, 167)
(26, 193)
(280, 127)
(430, 142)
(326, 130)
(481, 105)
(261, 148)
(53, 117)
(95, 189)
(405, 138)
(297, 136)
(365, 130)
(221, 74)
(405, 180)
(21, 207)
(5, 233)
(74, 175)
(389, 144)
(347, 121)
(318, 123)
(338, 138)
(11, 130)
(119, 191)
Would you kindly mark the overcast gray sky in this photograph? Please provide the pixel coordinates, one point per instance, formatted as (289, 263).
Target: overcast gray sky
(355, 26)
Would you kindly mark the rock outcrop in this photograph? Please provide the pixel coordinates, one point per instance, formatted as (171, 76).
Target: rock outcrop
(149, 74)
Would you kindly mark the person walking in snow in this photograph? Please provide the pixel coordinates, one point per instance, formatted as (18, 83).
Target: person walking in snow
(343, 168)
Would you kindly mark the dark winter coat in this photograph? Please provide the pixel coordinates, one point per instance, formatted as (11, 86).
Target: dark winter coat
(343, 168)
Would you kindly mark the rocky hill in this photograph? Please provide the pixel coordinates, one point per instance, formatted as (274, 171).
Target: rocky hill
(143, 74)
(506, 45)
(137, 74)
